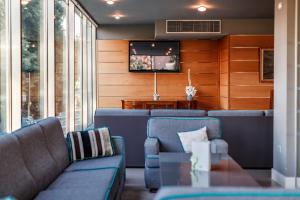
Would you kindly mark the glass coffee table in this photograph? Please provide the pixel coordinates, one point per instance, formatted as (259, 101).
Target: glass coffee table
(175, 170)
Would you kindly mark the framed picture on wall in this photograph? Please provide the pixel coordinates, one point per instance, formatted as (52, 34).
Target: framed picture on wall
(267, 65)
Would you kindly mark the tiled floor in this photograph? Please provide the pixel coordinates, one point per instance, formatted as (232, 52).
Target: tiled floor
(135, 185)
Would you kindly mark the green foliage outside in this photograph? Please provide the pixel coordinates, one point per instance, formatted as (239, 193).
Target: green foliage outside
(32, 29)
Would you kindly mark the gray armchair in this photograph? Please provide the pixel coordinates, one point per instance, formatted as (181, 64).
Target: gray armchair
(162, 137)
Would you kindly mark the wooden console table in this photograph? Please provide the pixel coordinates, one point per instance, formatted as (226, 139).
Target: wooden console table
(150, 104)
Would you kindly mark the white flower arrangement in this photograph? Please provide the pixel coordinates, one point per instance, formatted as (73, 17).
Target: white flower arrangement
(190, 91)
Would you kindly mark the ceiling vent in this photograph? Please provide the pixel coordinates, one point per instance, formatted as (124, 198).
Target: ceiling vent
(193, 26)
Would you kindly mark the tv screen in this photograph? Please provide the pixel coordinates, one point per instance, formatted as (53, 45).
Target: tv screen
(154, 56)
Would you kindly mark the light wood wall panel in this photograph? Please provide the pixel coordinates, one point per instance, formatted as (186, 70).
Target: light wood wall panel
(246, 91)
(224, 72)
(115, 83)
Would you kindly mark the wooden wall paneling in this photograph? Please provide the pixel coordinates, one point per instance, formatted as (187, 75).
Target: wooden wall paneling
(250, 91)
(245, 89)
(200, 67)
(261, 41)
(244, 53)
(116, 83)
(249, 103)
(247, 78)
(244, 66)
(112, 45)
(224, 72)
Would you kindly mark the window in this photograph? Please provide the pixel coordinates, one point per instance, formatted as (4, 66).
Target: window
(61, 62)
(4, 65)
(89, 74)
(46, 63)
(33, 64)
(78, 71)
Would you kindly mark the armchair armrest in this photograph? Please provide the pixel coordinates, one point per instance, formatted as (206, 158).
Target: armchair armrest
(118, 144)
(151, 146)
(219, 146)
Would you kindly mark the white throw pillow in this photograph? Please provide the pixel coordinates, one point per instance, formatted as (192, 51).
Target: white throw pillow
(187, 138)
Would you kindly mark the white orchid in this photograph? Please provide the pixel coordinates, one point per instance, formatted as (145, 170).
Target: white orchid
(190, 91)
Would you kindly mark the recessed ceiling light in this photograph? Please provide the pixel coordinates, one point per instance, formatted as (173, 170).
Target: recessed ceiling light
(202, 8)
(110, 2)
(24, 2)
(117, 17)
(280, 5)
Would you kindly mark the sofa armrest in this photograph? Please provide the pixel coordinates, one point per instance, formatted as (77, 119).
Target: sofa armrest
(118, 144)
(218, 146)
(151, 146)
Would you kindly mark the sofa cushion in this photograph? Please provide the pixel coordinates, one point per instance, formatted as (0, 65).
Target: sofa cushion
(253, 113)
(187, 138)
(90, 144)
(36, 155)
(74, 194)
(177, 113)
(104, 180)
(218, 146)
(105, 162)
(165, 129)
(121, 112)
(226, 193)
(55, 141)
(15, 178)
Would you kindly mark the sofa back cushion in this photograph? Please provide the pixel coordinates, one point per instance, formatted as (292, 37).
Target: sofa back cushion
(15, 178)
(177, 113)
(165, 129)
(36, 155)
(121, 112)
(236, 113)
(56, 142)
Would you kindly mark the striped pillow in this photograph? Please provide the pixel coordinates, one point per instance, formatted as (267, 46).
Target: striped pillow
(89, 144)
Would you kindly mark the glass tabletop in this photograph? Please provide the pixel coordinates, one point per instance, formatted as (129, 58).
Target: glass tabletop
(175, 170)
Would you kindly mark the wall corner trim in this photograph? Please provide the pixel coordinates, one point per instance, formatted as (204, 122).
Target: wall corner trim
(285, 181)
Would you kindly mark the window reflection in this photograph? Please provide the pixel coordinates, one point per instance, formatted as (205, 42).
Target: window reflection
(61, 63)
(3, 65)
(32, 61)
(78, 71)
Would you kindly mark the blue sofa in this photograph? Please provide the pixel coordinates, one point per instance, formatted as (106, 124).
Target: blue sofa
(162, 137)
(249, 134)
(240, 129)
(189, 193)
(132, 126)
(35, 165)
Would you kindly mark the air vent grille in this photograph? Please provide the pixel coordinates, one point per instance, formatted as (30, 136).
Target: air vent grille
(193, 26)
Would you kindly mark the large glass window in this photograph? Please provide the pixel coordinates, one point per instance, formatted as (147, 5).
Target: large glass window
(47, 64)
(90, 74)
(78, 71)
(33, 64)
(61, 62)
(3, 65)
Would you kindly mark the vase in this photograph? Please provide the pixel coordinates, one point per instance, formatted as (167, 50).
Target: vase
(189, 97)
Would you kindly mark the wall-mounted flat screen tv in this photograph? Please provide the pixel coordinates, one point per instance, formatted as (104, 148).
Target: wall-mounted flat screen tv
(154, 56)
